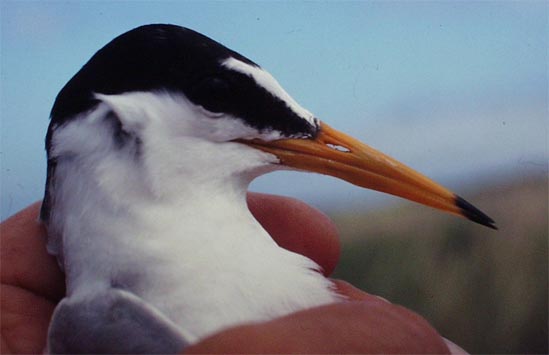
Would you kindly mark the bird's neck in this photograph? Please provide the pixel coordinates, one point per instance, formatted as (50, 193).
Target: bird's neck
(172, 252)
(205, 214)
(130, 223)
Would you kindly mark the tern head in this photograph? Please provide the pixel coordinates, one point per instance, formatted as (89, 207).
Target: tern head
(162, 104)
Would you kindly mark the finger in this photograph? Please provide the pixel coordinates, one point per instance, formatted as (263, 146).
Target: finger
(298, 227)
(355, 294)
(349, 327)
(23, 256)
(24, 318)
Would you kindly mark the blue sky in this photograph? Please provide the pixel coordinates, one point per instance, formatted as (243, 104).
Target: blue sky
(457, 90)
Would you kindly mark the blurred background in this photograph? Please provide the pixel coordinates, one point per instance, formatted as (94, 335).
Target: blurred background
(457, 90)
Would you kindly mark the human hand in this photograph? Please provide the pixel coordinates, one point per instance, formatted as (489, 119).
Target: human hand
(32, 284)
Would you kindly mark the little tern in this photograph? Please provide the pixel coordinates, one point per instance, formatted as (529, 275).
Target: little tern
(151, 147)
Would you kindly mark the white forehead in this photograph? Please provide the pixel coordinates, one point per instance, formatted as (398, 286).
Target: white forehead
(269, 83)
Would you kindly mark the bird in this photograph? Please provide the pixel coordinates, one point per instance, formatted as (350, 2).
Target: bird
(151, 147)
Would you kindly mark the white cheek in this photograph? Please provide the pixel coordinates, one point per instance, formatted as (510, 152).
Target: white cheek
(226, 128)
(163, 114)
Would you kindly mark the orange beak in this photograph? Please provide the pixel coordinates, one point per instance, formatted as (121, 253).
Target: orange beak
(334, 153)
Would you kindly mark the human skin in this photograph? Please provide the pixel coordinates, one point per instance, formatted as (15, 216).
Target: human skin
(32, 284)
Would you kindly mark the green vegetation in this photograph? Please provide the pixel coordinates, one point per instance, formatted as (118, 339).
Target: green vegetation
(485, 290)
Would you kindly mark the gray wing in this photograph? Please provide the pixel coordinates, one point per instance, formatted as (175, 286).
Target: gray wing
(112, 321)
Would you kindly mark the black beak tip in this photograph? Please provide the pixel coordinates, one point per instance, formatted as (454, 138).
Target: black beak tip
(474, 214)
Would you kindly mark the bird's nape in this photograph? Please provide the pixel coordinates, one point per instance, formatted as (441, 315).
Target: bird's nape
(337, 154)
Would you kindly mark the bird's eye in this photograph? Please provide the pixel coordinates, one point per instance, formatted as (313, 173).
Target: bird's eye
(212, 93)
